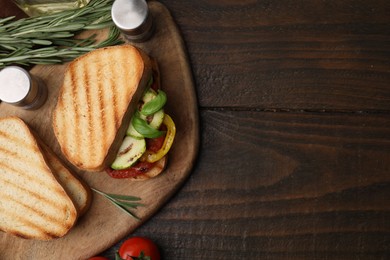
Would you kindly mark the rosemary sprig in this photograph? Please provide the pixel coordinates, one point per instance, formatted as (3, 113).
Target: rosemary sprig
(123, 202)
(50, 39)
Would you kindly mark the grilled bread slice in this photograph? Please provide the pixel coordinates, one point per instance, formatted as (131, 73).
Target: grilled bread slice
(77, 190)
(32, 203)
(100, 91)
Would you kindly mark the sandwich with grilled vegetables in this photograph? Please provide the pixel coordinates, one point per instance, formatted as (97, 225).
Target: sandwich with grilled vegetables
(110, 114)
(39, 197)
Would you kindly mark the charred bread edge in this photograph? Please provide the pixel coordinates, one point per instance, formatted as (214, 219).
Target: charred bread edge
(47, 149)
(44, 148)
(147, 73)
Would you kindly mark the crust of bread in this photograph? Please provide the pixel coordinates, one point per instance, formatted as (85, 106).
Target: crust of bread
(158, 168)
(79, 192)
(99, 94)
(33, 204)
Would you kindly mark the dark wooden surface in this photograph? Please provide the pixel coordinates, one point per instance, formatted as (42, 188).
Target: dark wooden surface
(294, 163)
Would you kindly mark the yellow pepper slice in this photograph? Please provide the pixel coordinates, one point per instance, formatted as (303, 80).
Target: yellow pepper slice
(152, 157)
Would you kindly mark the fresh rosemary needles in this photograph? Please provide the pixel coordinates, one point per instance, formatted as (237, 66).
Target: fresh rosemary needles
(50, 39)
(123, 202)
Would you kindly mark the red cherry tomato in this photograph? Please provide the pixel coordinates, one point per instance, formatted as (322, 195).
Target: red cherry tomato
(133, 247)
(98, 258)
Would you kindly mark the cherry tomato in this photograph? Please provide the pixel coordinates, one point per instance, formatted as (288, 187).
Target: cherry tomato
(133, 247)
(98, 258)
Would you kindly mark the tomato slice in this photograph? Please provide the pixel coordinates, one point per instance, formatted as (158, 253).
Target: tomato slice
(155, 144)
(138, 169)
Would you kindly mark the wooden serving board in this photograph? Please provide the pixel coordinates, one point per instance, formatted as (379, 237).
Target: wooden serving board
(104, 224)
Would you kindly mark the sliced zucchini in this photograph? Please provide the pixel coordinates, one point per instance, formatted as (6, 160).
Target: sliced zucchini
(154, 120)
(142, 127)
(132, 132)
(154, 104)
(129, 152)
(149, 95)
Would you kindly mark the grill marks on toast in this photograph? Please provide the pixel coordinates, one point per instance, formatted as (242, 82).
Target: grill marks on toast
(25, 181)
(29, 221)
(69, 105)
(83, 112)
(97, 92)
(50, 212)
(95, 120)
(8, 137)
(112, 89)
(115, 108)
(100, 115)
(78, 191)
(14, 186)
(9, 141)
(33, 204)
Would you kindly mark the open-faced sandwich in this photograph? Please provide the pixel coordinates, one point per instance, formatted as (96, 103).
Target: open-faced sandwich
(110, 114)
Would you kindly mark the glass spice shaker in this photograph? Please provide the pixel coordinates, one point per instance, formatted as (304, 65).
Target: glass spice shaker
(19, 88)
(133, 18)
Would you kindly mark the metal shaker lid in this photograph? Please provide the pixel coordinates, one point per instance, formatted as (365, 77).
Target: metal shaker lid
(19, 88)
(15, 84)
(133, 18)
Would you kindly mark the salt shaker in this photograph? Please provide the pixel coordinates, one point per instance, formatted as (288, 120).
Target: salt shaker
(133, 18)
(19, 88)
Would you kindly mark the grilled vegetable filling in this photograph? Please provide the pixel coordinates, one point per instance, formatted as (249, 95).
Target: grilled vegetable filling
(149, 136)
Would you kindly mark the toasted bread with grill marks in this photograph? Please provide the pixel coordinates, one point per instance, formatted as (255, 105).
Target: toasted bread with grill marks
(77, 190)
(100, 92)
(33, 204)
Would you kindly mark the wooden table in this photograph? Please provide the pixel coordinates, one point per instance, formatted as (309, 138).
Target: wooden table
(294, 161)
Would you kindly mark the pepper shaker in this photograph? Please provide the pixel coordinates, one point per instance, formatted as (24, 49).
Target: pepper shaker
(133, 18)
(19, 88)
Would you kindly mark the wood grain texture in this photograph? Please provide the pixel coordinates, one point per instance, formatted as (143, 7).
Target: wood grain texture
(295, 133)
(289, 54)
(294, 159)
(311, 186)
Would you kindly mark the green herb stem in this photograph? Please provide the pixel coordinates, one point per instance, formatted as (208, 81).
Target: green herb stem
(123, 202)
(50, 39)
